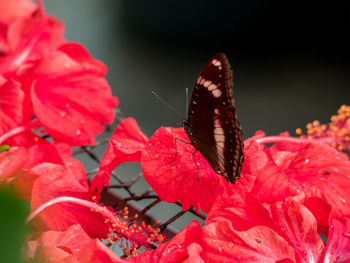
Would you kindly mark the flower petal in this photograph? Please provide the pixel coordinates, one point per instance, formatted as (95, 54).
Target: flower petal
(72, 245)
(222, 243)
(289, 220)
(17, 163)
(174, 175)
(71, 98)
(15, 9)
(338, 244)
(125, 145)
(56, 181)
(12, 108)
(173, 251)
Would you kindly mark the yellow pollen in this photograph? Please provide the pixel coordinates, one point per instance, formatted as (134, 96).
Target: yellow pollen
(298, 131)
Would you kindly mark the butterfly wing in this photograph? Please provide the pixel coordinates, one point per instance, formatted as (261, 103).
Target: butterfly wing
(212, 124)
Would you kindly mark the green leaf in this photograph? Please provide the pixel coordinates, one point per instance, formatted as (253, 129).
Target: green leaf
(12, 227)
(4, 148)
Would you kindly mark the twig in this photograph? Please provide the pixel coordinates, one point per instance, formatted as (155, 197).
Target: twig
(93, 156)
(193, 211)
(155, 202)
(81, 150)
(129, 184)
(163, 226)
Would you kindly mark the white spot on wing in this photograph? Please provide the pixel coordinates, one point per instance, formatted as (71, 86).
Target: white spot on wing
(212, 86)
(219, 138)
(207, 83)
(216, 62)
(217, 93)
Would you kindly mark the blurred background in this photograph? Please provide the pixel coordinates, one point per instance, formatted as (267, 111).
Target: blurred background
(290, 59)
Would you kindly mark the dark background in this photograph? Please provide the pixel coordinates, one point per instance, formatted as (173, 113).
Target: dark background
(290, 59)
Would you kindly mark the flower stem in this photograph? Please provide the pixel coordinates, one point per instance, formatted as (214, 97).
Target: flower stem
(68, 199)
(18, 130)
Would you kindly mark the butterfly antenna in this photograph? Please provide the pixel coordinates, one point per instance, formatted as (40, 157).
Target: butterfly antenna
(186, 101)
(171, 107)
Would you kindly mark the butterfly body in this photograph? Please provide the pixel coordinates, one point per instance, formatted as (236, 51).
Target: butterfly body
(212, 124)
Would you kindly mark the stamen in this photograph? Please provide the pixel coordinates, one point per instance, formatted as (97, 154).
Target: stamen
(336, 133)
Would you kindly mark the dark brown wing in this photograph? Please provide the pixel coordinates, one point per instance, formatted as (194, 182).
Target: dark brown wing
(212, 124)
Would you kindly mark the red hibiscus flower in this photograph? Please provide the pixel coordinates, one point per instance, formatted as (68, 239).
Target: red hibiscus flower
(178, 178)
(338, 243)
(70, 95)
(12, 105)
(72, 245)
(28, 37)
(315, 170)
(171, 178)
(13, 10)
(60, 181)
(125, 145)
(178, 249)
(250, 230)
(16, 166)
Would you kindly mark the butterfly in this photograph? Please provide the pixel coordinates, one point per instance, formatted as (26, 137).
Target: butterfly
(212, 124)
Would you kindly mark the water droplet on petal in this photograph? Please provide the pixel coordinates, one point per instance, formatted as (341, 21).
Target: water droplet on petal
(63, 114)
(78, 132)
(67, 105)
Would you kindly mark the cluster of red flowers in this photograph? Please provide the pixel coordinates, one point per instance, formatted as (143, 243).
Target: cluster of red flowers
(287, 195)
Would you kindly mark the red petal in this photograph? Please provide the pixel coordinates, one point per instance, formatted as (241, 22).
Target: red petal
(29, 39)
(173, 251)
(338, 244)
(13, 112)
(290, 220)
(97, 252)
(178, 178)
(300, 226)
(125, 145)
(73, 101)
(16, 165)
(15, 9)
(222, 243)
(72, 245)
(321, 172)
(55, 181)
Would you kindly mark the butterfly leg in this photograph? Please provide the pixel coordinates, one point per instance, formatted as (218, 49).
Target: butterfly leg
(177, 139)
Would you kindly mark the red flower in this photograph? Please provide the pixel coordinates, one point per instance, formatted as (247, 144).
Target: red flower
(16, 166)
(246, 230)
(125, 145)
(178, 178)
(72, 245)
(176, 250)
(317, 171)
(28, 37)
(70, 96)
(60, 181)
(12, 106)
(15, 9)
(171, 178)
(338, 244)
